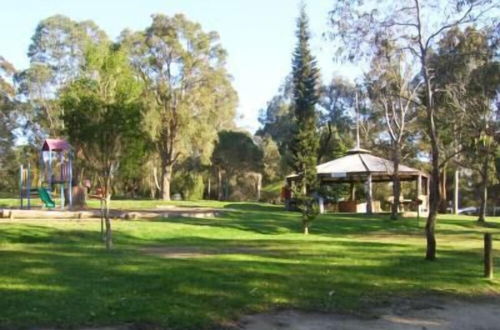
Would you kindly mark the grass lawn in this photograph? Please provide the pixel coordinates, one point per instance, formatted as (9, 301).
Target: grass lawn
(202, 273)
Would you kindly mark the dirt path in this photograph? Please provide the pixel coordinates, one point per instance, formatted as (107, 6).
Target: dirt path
(402, 314)
(422, 313)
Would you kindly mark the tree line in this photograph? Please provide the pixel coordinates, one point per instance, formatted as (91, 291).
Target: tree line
(432, 92)
(146, 109)
(153, 112)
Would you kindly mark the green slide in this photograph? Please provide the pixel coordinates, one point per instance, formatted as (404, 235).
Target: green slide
(45, 197)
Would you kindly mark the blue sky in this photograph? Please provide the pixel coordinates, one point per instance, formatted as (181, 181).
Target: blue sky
(258, 35)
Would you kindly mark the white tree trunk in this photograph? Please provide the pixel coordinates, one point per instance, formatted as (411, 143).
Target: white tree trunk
(455, 191)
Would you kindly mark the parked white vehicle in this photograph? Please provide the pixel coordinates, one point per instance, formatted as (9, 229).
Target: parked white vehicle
(471, 210)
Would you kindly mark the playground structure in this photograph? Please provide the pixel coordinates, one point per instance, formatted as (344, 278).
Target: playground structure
(56, 161)
(56, 173)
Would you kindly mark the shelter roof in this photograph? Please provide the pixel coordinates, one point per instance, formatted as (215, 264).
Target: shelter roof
(362, 162)
(55, 145)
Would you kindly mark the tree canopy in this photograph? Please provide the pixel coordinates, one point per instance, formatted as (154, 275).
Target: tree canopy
(190, 96)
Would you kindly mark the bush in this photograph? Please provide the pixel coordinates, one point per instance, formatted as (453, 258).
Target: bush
(190, 185)
(243, 188)
(271, 193)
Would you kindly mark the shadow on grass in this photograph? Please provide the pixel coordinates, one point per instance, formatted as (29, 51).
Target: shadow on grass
(63, 277)
(255, 207)
(71, 283)
(270, 220)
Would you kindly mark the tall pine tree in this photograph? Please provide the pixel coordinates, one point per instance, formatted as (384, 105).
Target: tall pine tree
(305, 143)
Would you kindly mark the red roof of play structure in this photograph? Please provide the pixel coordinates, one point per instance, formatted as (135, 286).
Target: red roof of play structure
(55, 145)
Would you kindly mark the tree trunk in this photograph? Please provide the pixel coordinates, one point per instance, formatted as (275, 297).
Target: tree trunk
(352, 193)
(396, 184)
(434, 197)
(156, 183)
(209, 187)
(152, 191)
(369, 197)
(433, 207)
(166, 177)
(443, 201)
(80, 176)
(219, 184)
(456, 182)
(259, 185)
(226, 187)
(484, 193)
(306, 227)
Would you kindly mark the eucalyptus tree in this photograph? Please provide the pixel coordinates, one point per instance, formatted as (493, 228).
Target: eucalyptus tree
(458, 55)
(483, 126)
(7, 122)
(393, 94)
(189, 91)
(414, 26)
(272, 165)
(56, 53)
(337, 100)
(277, 120)
(103, 115)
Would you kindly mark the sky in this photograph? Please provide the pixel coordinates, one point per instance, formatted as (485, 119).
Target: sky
(258, 35)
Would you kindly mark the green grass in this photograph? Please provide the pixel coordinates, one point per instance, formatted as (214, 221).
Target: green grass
(118, 204)
(253, 258)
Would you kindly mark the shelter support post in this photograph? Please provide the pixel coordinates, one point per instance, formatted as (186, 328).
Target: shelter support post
(419, 185)
(369, 188)
(419, 196)
(427, 186)
(321, 205)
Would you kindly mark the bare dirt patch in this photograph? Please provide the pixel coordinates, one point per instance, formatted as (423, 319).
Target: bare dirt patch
(420, 313)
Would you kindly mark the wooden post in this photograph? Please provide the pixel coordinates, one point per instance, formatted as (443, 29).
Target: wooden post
(369, 209)
(488, 256)
(102, 219)
(353, 192)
